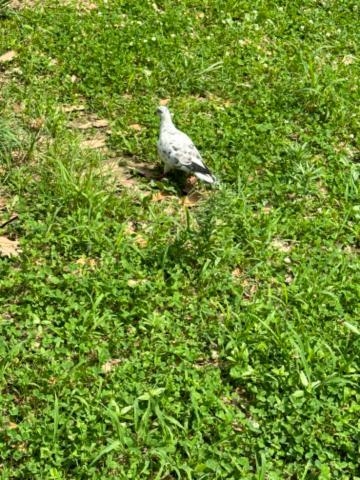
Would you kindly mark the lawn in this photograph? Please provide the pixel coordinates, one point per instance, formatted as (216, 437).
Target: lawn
(148, 334)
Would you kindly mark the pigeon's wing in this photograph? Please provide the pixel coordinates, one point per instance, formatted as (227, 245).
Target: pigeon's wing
(183, 154)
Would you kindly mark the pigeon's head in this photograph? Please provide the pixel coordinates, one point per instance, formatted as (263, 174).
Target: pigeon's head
(163, 112)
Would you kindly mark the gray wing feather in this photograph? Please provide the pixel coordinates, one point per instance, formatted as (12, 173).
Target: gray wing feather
(182, 152)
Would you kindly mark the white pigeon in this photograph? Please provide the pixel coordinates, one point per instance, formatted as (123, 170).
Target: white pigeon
(177, 150)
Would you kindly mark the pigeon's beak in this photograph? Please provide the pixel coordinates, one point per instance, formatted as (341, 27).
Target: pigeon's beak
(158, 111)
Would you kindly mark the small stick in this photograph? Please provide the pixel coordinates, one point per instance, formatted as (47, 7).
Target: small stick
(9, 221)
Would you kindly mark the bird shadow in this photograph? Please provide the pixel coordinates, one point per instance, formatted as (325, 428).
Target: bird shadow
(177, 179)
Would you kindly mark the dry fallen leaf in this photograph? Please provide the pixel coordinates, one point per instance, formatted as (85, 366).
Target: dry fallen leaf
(73, 108)
(281, 245)
(141, 241)
(134, 282)
(12, 425)
(130, 228)
(86, 123)
(164, 101)
(110, 364)
(348, 59)
(80, 124)
(136, 126)
(36, 123)
(85, 261)
(91, 6)
(8, 56)
(289, 278)
(9, 248)
(100, 123)
(267, 209)
(18, 107)
(250, 290)
(159, 197)
(351, 250)
(236, 273)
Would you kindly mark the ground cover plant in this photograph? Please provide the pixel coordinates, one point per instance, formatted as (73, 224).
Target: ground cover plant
(147, 334)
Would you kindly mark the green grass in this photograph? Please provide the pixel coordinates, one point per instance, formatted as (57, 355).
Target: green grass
(143, 339)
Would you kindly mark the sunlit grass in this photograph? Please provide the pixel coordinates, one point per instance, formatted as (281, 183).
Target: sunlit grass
(141, 337)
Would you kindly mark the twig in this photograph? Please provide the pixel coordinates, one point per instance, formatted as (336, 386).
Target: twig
(9, 221)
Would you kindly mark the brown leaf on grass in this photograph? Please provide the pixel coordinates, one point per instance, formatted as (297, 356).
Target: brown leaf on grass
(136, 126)
(159, 197)
(9, 248)
(110, 364)
(267, 209)
(213, 360)
(80, 124)
(8, 56)
(351, 250)
(141, 241)
(100, 123)
(85, 124)
(130, 228)
(12, 425)
(73, 108)
(91, 6)
(36, 123)
(250, 288)
(250, 291)
(281, 245)
(133, 282)
(237, 272)
(164, 101)
(18, 107)
(86, 262)
(348, 59)
(223, 102)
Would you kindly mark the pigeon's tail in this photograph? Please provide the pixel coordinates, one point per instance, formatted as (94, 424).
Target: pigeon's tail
(206, 177)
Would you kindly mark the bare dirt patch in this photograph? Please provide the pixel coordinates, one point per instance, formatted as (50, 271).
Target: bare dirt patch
(126, 173)
(95, 129)
(9, 248)
(8, 56)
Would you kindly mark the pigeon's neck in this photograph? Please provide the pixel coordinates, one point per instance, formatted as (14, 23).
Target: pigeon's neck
(166, 123)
